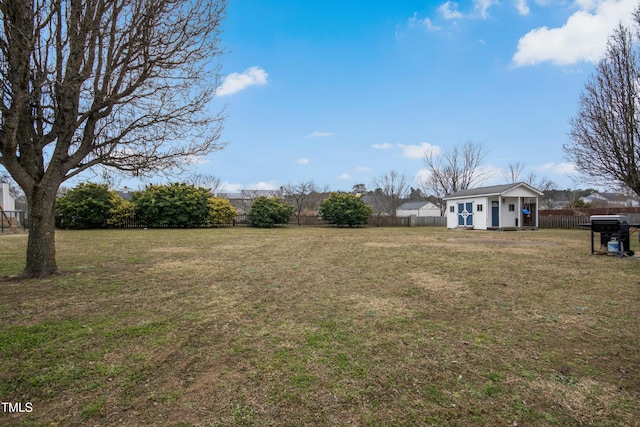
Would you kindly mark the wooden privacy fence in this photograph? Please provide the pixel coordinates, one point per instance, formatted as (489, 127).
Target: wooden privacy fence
(555, 221)
(561, 221)
(306, 221)
(574, 221)
(374, 221)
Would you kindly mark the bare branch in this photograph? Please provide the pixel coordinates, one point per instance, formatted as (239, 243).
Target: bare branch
(455, 170)
(391, 188)
(117, 84)
(606, 131)
(123, 83)
(513, 172)
(300, 196)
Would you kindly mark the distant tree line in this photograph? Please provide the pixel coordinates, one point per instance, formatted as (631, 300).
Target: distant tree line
(183, 205)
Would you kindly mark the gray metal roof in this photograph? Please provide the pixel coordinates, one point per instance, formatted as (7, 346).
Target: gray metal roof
(493, 190)
(408, 206)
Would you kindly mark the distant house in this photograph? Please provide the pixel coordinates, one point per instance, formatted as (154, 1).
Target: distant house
(243, 200)
(124, 193)
(610, 199)
(8, 214)
(420, 209)
(7, 198)
(509, 206)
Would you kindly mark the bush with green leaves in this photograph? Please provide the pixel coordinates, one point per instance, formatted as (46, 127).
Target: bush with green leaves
(220, 211)
(122, 212)
(345, 209)
(269, 211)
(88, 205)
(173, 205)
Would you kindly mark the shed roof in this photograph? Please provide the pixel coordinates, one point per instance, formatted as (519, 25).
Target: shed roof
(494, 190)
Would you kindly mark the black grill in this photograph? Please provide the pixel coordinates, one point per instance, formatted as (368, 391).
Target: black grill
(610, 227)
(609, 223)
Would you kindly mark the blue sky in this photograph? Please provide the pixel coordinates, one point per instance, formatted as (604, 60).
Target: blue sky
(339, 92)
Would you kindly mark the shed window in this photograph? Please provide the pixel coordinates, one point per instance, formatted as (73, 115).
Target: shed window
(479, 208)
(452, 209)
(512, 208)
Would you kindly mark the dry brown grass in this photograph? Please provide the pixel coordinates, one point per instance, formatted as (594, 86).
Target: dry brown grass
(376, 326)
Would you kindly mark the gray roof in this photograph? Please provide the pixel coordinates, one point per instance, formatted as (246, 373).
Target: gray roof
(493, 190)
(249, 194)
(409, 206)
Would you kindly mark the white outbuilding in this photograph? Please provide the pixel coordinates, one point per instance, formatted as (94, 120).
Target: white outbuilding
(7, 199)
(419, 209)
(509, 206)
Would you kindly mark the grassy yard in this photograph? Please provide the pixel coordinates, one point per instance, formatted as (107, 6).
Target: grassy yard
(290, 327)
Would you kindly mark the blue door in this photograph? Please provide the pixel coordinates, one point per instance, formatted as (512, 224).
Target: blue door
(465, 214)
(495, 214)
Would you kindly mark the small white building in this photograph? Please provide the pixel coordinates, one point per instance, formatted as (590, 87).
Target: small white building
(509, 206)
(7, 199)
(419, 209)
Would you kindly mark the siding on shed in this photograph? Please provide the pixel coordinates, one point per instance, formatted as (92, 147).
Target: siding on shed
(505, 195)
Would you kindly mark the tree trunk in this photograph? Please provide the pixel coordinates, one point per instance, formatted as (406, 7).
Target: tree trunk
(41, 246)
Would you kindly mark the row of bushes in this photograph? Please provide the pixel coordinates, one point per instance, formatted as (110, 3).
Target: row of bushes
(175, 205)
(184, 205)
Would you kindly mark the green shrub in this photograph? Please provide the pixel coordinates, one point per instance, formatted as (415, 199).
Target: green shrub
(172, 205)
(121, 213)
(345, 209)
(86, 206)
(221, 211)
(269, 211)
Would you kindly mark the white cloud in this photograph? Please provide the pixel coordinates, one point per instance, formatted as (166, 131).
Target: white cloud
(234, 187)
(271, 185)
(344, 176)
(229, 187)
(544, 167)
(565, 168)
(582, 38)
(384, 146)
(415, 22)
(490, 175)
(449, 10)
(422, 176)
(236, 82)
(419, 151)
(320, 134)
(523, 8)
(363, 169)
(302, 161)
(587, 4)
(481, 7)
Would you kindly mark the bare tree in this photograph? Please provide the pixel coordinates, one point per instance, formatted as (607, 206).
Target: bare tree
(118, 83)
(606, 131)
(458, 169)
(210, 182)
(513, 172)
(299, 195)
(541, 183)
(391, 188)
